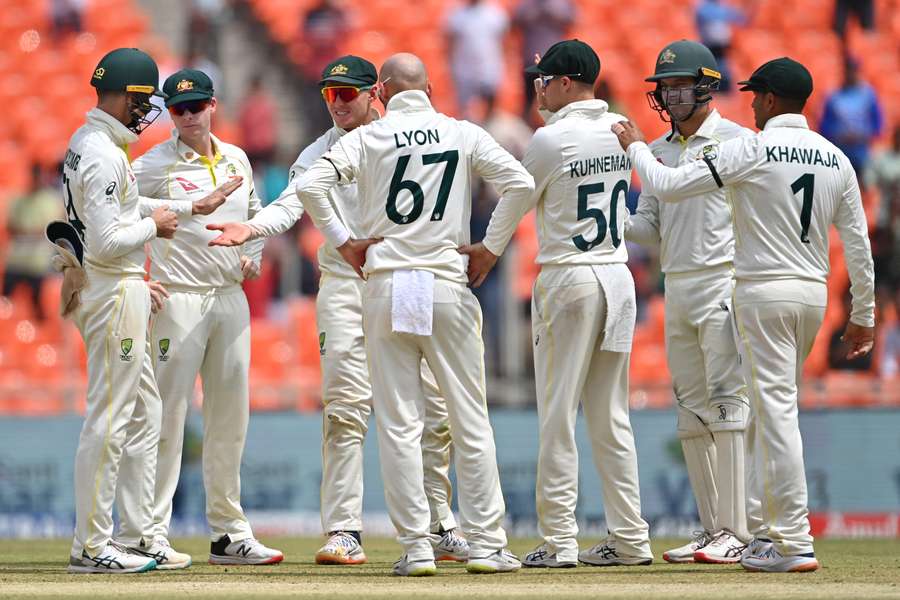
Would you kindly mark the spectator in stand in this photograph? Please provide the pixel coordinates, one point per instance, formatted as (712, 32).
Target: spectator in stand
(65, 15)
(863, 9)
(884, 173)
(542, 23)
(714, 26)
(852, 118)
(603, 91)
(475, 35)
(204, 25)
(324, 28)
(257, 121)
(28, 255)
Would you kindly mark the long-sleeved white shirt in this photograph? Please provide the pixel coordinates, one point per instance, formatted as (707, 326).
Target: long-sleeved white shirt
(788, 185)
(281, 214)
(692, 236)
(173, 174)
(101, 196)
(581, 180)
(414, 170)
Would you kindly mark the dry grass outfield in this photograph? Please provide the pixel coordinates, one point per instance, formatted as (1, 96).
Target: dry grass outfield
(857, 569)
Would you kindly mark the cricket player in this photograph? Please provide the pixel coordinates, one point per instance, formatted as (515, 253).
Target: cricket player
(583, 310)
(696, 254)
(413, 168)
(204, 326)
(788, 185)
(123, 411)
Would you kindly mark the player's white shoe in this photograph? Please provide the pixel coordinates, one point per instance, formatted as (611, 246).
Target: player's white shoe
(450, 545)
(543, 557)
(685, 554)
(341, 549)
(501, 561)
(725, 548)
(605, 554)
(114, 559)
(770, 560)
(756, 546)
(166, 557)
(414, 568)
(249, 551)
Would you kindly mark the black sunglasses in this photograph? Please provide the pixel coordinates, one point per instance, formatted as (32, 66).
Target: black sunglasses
(192, 106)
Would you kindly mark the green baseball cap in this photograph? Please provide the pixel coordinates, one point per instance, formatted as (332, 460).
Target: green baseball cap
(784, 77)
(573, 58)
(187, 85)
(127, 70)
(350, 70)
(685, 58)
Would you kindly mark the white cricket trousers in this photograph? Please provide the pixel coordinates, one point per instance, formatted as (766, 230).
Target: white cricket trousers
(116, 456)
(205, 332)
(347, 396)
(777, 323)
(455, 354)
(569, 326)
(711, 394)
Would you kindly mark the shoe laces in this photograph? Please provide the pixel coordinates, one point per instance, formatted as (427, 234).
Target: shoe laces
(701, 537)
(452, 540)
(117, 546)
(343, 540)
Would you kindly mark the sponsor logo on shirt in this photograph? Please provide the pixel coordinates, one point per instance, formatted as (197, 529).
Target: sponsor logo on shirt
(186, 185)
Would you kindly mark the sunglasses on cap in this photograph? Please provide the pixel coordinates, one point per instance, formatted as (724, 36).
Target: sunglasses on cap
(193, 107)
(347, 93)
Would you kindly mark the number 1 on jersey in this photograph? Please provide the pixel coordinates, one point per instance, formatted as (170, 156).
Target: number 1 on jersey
(807, 183)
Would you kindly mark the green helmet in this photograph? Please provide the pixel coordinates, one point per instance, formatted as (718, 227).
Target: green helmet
(127, 70)
(132, 71)
(684, 58)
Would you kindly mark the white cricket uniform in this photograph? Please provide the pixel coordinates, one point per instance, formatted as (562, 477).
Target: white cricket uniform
(203, 327)
(346, 389)
(123, 412)
(788, 185)
(696, 242)
(414, 168)
(583, 312)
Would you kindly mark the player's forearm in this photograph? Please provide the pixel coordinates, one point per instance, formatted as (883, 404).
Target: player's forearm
(668, 184)
(276, 218)
(114, 241)
(179, 207)
(641, 230)
(505, 219)
(858, 258)
(312, 190)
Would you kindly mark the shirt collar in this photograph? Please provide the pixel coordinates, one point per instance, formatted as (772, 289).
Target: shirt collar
(593, 108)
(187, 154)
(118, 133)
(409, 101)
(707, 129)
(787, 120)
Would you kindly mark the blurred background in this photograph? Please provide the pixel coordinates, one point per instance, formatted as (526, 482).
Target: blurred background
(265, 57)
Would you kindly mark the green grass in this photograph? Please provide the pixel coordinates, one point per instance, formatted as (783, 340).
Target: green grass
(851, 569)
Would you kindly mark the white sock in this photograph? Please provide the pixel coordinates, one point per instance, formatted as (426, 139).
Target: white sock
(700, 458)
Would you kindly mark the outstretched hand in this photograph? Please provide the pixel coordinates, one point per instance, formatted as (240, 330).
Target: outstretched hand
(233, 234)
(354, 252)
(481, 261)
(209, 203)
(628, 133)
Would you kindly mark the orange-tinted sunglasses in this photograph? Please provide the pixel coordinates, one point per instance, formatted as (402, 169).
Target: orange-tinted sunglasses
(347, 93)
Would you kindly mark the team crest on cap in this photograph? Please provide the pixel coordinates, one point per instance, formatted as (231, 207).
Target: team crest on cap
(340, 69)
(667, 57)
(98, 74)
(184, 85)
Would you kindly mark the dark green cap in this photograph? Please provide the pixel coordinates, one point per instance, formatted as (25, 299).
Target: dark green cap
(569, 57)
(187, 85)
(127, 70)
(350, 70)
(685, 58)
(784, 77)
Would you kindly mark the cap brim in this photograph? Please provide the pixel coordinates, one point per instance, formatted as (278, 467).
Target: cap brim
(63, 235)
(347, 80)
(534, 70)
(750, 86)
(187, 97)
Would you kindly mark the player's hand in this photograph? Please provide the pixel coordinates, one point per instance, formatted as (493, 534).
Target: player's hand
(861, 339)
(354, 252)
(166, 222)
(628, 133)
(158, 295)
(208, 204)
(233, 234)
(249, 269)
(481, 261)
